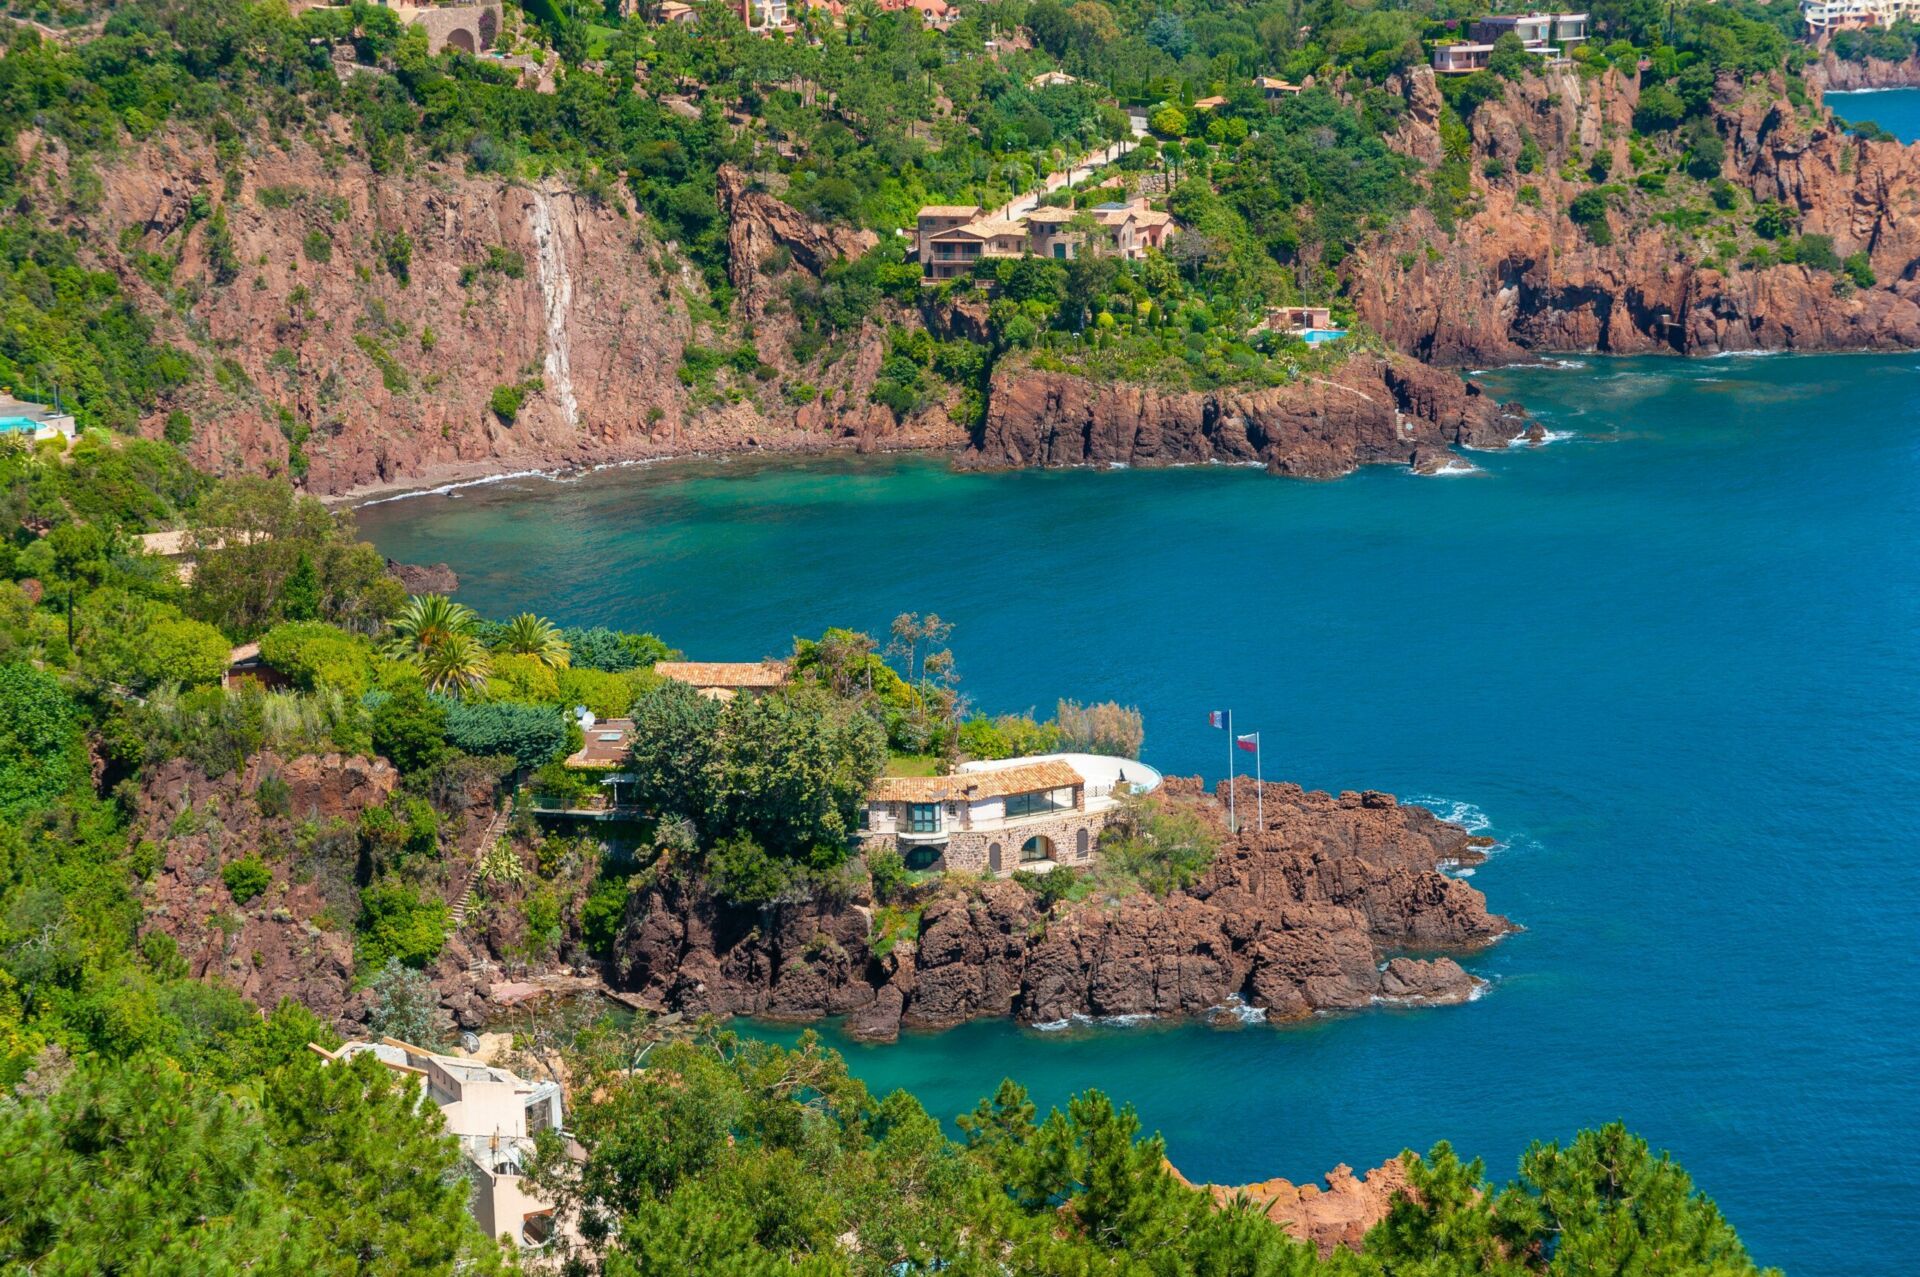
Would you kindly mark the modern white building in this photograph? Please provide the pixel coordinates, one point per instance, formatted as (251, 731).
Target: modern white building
(1824, 16)
(996, 817)
(494, 1113)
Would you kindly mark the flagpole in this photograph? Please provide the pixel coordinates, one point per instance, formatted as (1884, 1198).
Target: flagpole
(1233, 815)
(1260, 785)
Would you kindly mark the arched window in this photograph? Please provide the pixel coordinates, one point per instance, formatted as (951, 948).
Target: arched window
(1082, 841)
(993, 857)
(1038, 847)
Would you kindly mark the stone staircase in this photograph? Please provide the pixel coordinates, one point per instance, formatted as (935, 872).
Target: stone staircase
(468, 897)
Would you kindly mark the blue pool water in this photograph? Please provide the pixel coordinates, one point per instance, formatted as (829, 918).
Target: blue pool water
(27, 424)
(1672, 659)
(1316, 336)
(1895, 110)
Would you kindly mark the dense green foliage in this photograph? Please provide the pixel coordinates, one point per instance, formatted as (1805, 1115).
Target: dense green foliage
(738, 1157)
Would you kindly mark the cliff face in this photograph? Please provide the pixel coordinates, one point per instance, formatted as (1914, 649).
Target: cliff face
(295, 938)
(1518, 276)
(1294, 918)
(371, 317)
(1370, 410)
(1839, 74)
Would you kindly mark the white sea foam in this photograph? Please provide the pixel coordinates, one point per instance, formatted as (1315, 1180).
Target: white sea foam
(1454, 469)
(1078, 1021)
(1236, 1007)
(1746, 354)
(569, 474)
(448, 489)
(1546, 437)
(1566, 363)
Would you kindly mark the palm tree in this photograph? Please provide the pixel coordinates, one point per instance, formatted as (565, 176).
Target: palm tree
(427, 621)
(456, 664)
(536, 636)
(435, 634)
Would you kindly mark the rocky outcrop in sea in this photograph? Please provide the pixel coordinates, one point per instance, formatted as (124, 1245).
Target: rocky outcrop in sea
(1369, 410)
(1308, 914)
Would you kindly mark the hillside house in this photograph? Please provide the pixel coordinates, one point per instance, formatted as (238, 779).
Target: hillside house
(1275, 90)
(1001, 816)
(952, 242)
(1540, 29)
(494, 1114)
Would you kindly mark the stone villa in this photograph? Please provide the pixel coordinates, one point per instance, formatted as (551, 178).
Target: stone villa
(952, 239)
(494, 1113)
(1001, 816)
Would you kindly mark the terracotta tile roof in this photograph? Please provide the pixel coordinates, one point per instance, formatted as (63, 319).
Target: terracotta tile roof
(1025, 778)
(1050, 215)
(1208, 104)
(950, 210)
(606, 745)
(724, 673)
(1153, 217)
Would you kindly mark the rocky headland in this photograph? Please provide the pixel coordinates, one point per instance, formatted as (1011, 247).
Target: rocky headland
(1369, 410)
(1516, 276)
(1306, 914)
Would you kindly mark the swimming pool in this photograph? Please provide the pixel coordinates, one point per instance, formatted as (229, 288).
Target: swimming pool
(1315, 336)
(27, 424)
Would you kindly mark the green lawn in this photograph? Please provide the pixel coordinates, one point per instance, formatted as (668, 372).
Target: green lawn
(913, 765)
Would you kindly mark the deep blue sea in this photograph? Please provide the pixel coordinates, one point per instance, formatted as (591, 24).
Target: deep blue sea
(1895, 110)
(1671, 659)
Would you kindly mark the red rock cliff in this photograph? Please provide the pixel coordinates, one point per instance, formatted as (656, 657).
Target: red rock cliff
(1518, 276)
(1294, 918)
(1369, 410)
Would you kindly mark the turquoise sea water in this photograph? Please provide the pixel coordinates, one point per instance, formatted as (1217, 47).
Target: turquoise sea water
(1895, 110)
(1673, 660)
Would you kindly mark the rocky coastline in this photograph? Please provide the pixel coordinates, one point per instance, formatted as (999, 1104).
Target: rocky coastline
(1842, 75)
(1311, 913)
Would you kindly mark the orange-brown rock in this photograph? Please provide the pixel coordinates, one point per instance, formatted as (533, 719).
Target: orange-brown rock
(374, 314)
(1338, 1215)
(1371, 410)
(1518, 276)
(1303, 915)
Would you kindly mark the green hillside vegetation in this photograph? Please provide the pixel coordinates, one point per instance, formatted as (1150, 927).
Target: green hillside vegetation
(163, 1120)
(860, 124)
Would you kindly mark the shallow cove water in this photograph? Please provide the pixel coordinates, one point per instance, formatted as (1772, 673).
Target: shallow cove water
(1672, 660)
(1895, 110)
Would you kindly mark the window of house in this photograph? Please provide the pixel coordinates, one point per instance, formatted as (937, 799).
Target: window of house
(923, 818)
(1038, 802)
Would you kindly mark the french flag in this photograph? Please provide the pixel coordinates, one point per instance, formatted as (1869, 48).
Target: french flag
(1216, 718)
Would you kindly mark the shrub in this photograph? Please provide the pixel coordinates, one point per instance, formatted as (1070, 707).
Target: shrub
(176, 650)
(1817, 252)
(273, 796)
(317, 246)
(1774, 220)
(315, 655)
(395, 924)
(888, 872)
(41, 753)
(1049, 889)
(246, 878)
(406, 1005)
(1162, 848)
(741, 871)
(532, 734)
(1859, 268)
(1105, 728)
(1589, 211)
(603, 913)
(410, 729)
(505, 403)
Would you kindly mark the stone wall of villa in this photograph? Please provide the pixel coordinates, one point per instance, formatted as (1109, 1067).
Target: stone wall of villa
(1075, 836)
